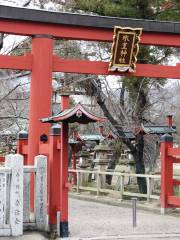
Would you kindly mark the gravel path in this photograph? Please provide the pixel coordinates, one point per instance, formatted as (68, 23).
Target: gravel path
(90, 219)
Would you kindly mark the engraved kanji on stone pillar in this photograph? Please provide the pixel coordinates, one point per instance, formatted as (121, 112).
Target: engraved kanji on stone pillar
(41, 192)
(15, 162)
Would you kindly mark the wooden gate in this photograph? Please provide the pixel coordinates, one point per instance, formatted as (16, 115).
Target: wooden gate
(15, 214)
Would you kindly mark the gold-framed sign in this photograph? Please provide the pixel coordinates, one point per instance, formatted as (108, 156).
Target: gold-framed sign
(125, 48)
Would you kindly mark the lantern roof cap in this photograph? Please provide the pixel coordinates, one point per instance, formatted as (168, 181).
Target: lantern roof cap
(90, 137)
(101, 147)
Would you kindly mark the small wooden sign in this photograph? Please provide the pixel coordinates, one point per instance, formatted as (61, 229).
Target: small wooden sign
(124, 49)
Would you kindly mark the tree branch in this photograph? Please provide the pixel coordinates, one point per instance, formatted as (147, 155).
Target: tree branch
(14, 88)
(12, 117)
(101, 101)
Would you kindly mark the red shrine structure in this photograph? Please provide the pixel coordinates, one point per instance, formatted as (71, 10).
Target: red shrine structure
(67, 115)
(44, 27)
(57, 150)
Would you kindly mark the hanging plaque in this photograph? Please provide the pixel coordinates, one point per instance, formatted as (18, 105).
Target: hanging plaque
(125, 48)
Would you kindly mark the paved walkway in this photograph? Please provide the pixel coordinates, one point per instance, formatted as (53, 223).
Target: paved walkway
(100, 221)
(97, 221)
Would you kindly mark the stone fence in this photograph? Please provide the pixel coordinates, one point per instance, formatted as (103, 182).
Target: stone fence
(17, 183)
(120, 189)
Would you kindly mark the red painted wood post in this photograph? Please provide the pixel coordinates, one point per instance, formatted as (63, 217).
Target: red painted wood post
(75, 137)
(54, 170)
(40, 95)
(64, 229)
(22, 141)
(166, 171)
(40, 92)
(169, 120)
(74, 163)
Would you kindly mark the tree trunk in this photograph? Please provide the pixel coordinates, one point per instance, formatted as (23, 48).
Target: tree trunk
(137, 151)
(140, 168)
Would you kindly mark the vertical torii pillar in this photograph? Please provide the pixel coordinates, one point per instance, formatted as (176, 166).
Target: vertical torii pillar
(40, 92)
(40, 95)
(54, 170)
(64, 171)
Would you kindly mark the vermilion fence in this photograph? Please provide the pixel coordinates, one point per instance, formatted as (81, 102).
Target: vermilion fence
(2, 158)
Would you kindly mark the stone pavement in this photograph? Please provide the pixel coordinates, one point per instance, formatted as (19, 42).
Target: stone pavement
(97, 221)
(100, 221)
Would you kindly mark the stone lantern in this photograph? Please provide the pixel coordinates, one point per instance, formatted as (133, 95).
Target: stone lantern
(102, 159)
(84, 163)
(83, 156)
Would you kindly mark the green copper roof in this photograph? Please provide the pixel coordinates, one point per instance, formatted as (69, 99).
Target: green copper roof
(148, 129)
(128, 134)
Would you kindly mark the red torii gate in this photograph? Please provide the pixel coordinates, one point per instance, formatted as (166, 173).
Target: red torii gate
(45, 26)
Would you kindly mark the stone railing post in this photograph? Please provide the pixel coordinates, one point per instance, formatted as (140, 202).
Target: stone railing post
(98, 184)
(15, 162)
(78, 182)
(41, 192)
(122, 186)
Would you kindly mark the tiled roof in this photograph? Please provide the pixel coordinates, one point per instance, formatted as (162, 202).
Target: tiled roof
(161, 129)
(76, 114)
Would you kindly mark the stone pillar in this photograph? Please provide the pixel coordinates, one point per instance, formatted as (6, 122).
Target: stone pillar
(102, 160)
(83, 164)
